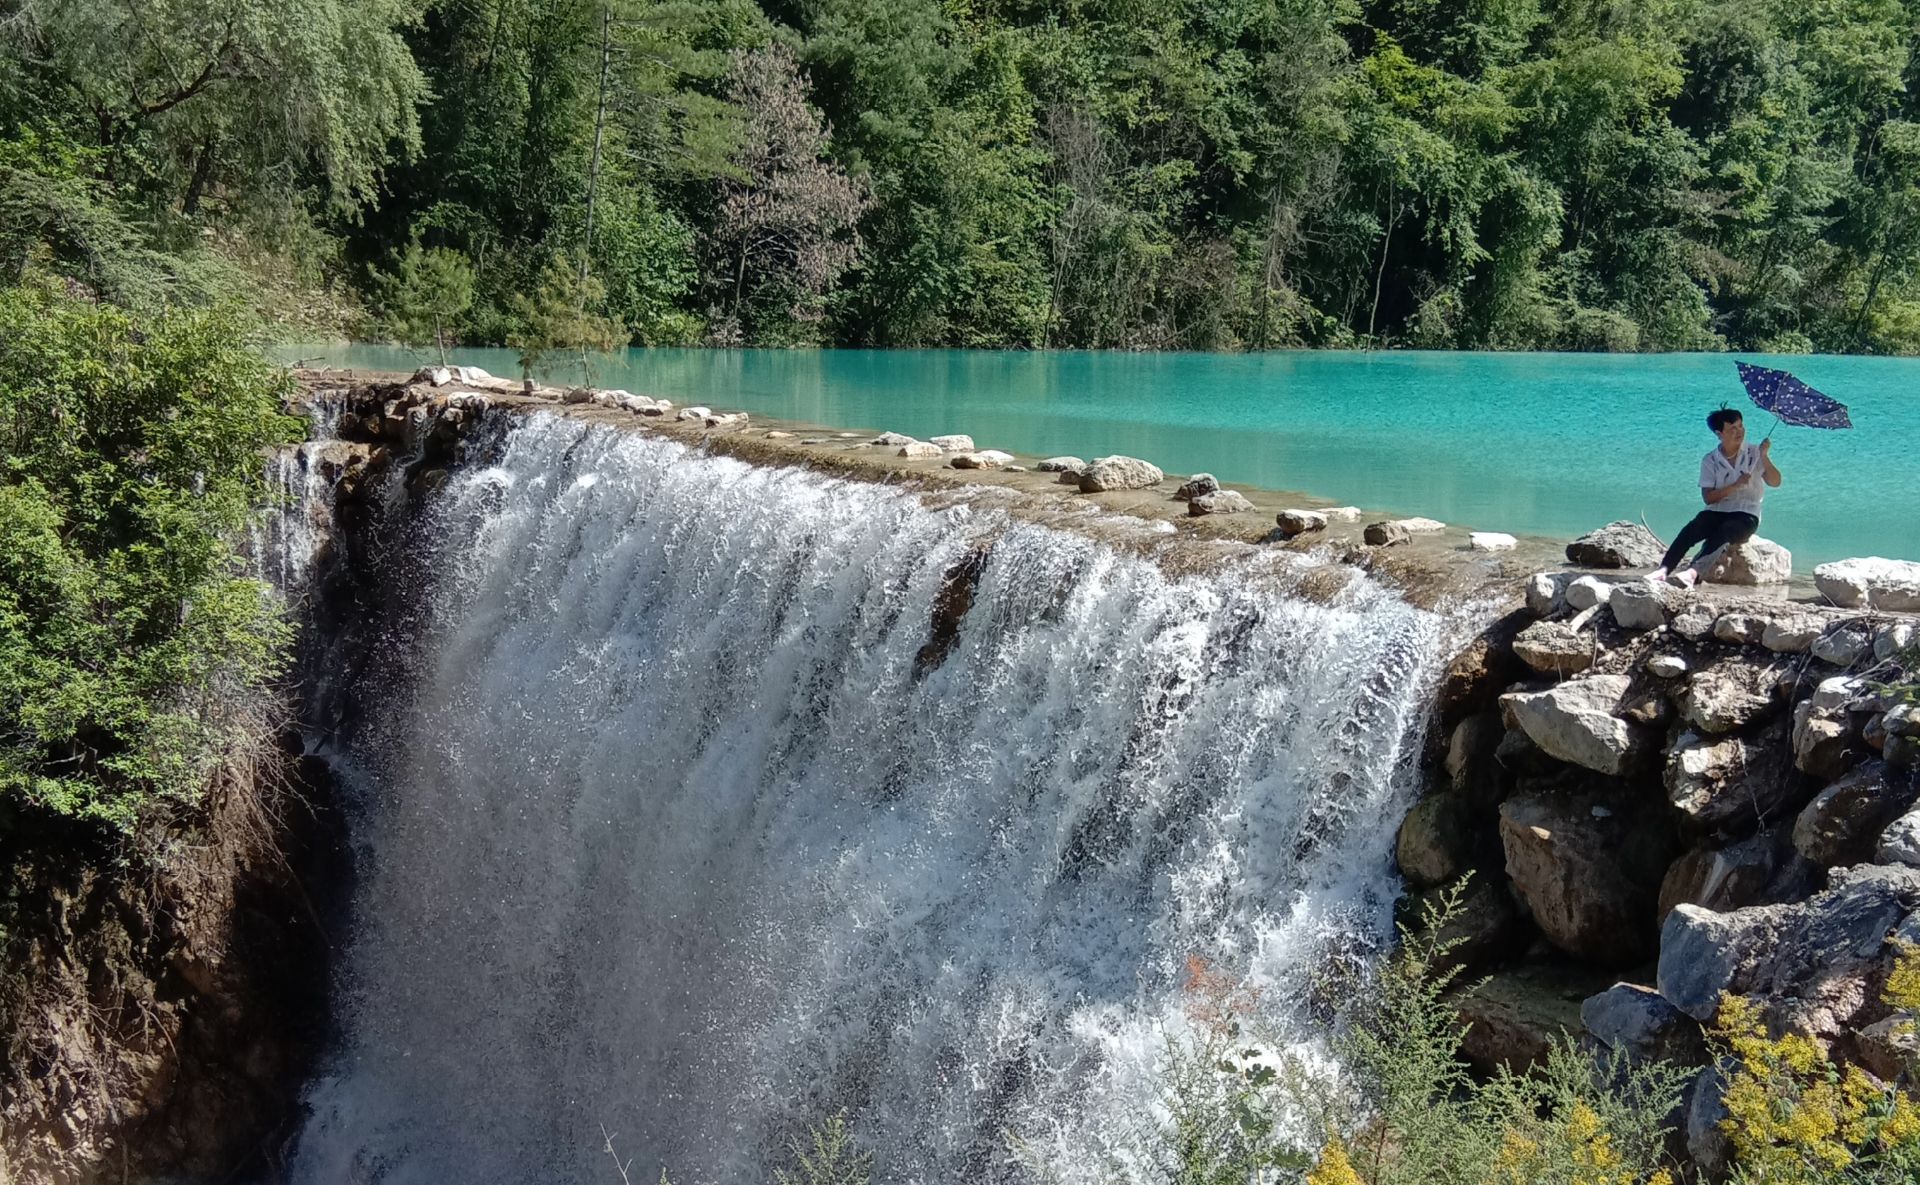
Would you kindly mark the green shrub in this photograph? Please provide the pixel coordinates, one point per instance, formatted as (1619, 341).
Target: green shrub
(130, 460)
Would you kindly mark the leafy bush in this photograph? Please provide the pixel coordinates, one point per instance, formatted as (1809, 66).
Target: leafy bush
(1794, 1117)
(130, 459)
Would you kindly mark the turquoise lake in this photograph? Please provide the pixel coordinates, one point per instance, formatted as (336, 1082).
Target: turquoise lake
(1532, 444)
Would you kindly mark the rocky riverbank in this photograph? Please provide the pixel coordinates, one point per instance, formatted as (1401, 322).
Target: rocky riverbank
(1661, 796)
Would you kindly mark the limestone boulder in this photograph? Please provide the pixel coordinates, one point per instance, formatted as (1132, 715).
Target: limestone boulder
(1619, 544)
(1436, 840)
(1583, 722)
(1756, 562)
(581, 395)
(894, 440)
(1725, 783)
(1640, 1023)
(1385, 534)
(1871, 582)
(1729, 695)
(1119, 473)
(1197, 485)
(1491, 541)
(991, 458)
(1900, 842)
(1824, 742)
(919, 450)
(1071, 465)
(1638, 605)
(1814, 963)
(1694, 621)
(1894, 639)
(1793, 631)
(1584, 867)
(1844, 822)
(956, 442)
(1422, 526)
(1666, 666)
(1844, 644)
(1552, 648)
(695, 413)
(1739, 629)
(1547, 592)
(1300, 522)
(1219, 502)
(1587, 591)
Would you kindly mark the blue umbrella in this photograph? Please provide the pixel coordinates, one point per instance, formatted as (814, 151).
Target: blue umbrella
(1790, 400)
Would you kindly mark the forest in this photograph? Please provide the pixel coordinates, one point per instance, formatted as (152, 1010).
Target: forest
(1107, 174)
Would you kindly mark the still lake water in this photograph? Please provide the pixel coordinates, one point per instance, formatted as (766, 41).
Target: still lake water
(1532, 444)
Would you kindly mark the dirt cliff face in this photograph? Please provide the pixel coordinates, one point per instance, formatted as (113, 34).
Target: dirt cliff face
(162, 1001)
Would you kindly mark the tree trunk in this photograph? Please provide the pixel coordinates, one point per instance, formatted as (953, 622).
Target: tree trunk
(1380, 276)
(599, 130)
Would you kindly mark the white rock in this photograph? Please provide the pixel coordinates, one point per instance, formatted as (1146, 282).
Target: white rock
(1843, 647)
(606, 399)
(731, 419)
(1893, 639)
(695, 413)
(438, 376)
(1588, 591)
(1219, 502)
(1870, 582)
(776, 434)
(1579, 721)
(985, 459)
(1757, 561)
(956, 443)
(1342, 514)
(1638, 605)
(1900, 842)
(1061, 465)
(471, 374)
(1120, 473)
(635, 403)
(575, 395)
(1422, 526)
(1547, 592)
(887, 439)
(1295, 521)
(1836, 693)
(1491, 541)
(1792, 633)
(919, 450)
(1666, 666)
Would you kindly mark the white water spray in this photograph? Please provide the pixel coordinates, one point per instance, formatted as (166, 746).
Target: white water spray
(678, 828)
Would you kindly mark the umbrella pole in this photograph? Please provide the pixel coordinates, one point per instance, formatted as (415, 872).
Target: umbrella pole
(1769, 435)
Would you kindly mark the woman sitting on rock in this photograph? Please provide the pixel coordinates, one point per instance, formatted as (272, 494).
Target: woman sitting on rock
(1731, 478)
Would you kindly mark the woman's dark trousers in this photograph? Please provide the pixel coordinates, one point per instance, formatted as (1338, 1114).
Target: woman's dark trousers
(1712, 530)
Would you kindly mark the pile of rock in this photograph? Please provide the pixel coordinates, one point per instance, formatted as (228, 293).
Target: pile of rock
(1709, 793)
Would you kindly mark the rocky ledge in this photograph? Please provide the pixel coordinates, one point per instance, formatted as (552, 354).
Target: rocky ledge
(1665, 795)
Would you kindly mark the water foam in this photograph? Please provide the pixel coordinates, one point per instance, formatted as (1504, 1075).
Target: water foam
(678, 827)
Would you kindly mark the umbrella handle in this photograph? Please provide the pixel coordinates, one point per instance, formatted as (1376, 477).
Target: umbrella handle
(1769, 435)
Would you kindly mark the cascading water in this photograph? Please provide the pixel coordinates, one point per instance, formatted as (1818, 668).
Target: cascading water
(680, 822)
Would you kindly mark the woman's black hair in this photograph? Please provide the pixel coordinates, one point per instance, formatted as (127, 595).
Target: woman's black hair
(1717, 420)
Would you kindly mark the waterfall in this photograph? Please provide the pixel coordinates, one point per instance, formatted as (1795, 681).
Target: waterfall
(676, 816)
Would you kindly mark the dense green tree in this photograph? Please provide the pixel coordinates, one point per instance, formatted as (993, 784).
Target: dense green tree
(130, 639)
(427, 292)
